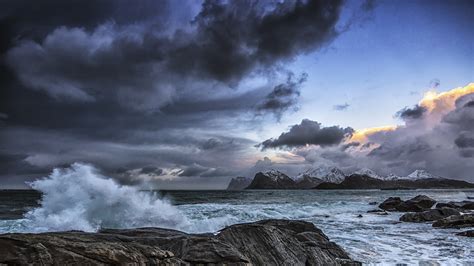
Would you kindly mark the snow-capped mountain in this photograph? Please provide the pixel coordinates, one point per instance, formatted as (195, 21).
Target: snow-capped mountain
(420, 174)
(370, 173)
(393, 177)
(275, 175)
(325, 174)
(272, 179)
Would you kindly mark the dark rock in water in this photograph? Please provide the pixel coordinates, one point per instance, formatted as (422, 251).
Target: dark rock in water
(272, 180)
(461, 205)
(239, 183)
(391, 203)
(456, 221)
(468, 197)
(268, 242)
(429, 215)
(417, 204)
(373, 203)
(359, 216)
(378, 212)
(469, 233)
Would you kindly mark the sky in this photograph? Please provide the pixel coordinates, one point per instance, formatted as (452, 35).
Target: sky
(188, 94)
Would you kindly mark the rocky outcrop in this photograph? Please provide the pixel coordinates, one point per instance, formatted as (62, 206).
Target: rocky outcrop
(429, 215)
(417, 204)
(460, 205)
(272, 180)
(239, 183)
(268, 242)
(391, 204)
(456, 221)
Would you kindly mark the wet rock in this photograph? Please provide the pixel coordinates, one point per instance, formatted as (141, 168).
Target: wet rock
(373, 203)
(460, 205)
(378, 212)
(268, 242)
(456, 221)
(359, 216)
(429, 215)
(391, 203)
(469, 233)
(417, 204)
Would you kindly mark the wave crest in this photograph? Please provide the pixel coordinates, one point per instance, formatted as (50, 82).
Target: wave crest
(80, 198)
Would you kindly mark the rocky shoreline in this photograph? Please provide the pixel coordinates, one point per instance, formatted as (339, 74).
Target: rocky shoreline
(453, 214)
(266, 242)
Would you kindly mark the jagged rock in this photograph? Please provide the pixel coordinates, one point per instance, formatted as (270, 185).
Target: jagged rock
(391, 203)
(469, 233)
(461, 205)
(239, 183)
(417, 204)
(456, 221)
(429, 215)
(267, 242)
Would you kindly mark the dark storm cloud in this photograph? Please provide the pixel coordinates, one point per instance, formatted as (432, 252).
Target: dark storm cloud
(469, 104)
(341, 107)
(143, 67)
(464, 141)
(283, 96)
(411, 113)
(149, 83)
(308, 133)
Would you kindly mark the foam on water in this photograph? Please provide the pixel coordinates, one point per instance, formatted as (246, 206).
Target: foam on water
(79, 198)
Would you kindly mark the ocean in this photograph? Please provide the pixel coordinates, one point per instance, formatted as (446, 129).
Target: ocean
(372, 239)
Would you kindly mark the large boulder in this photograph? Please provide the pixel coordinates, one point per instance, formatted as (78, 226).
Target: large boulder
(268, 242)
(461, 205)
(391, 204)
(456, 221)
(429, 215)
(417, 204)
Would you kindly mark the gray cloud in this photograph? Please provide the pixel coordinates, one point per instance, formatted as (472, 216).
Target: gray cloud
(411, 113)
(148, 84)
(308, 133)
(283, 96)
(341, 107)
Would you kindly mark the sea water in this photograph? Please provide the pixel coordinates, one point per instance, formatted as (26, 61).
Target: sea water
(80, 198)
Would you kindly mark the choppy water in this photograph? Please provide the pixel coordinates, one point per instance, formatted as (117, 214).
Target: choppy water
(371, 239)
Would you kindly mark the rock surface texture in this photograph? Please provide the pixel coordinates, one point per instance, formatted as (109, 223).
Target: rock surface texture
(267, 242)
(429, 215)
(456, 221)
(417, 204)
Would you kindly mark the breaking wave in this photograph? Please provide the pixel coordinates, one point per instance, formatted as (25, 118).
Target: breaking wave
(80, 198)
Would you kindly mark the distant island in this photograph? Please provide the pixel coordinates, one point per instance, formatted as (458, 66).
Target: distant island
(335, 178)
